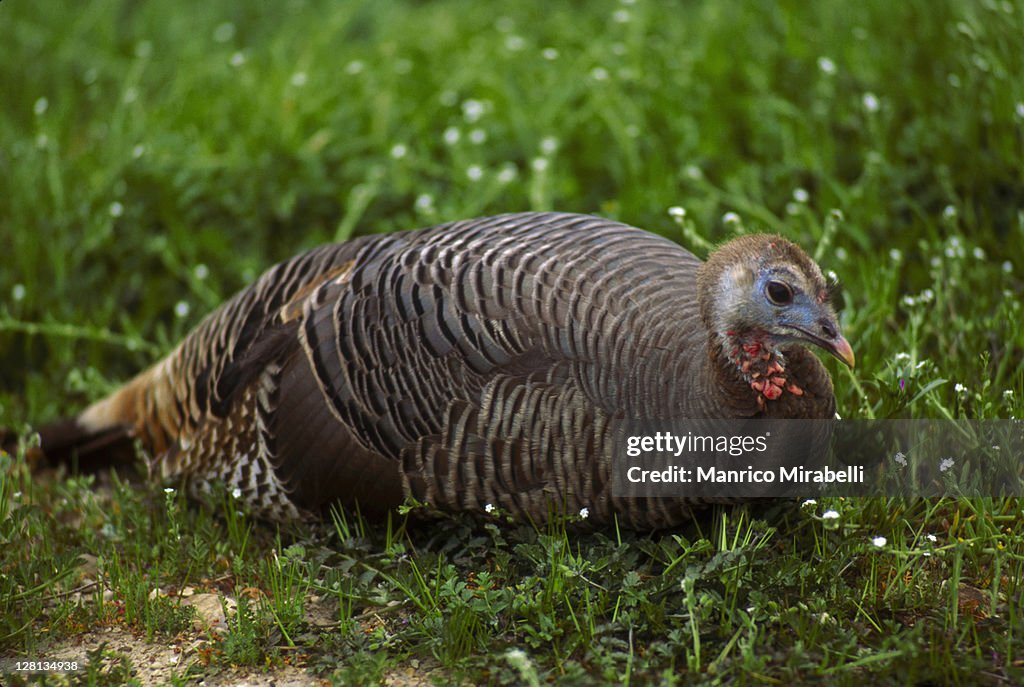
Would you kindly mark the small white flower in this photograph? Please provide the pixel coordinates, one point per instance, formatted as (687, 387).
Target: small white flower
(138, 151)
(927, 296)
(808, 502)
(42, 140)
(693, 172)
(1019, 109)
(826, 66)
(168, 490)
(730, 218)
(116, 209)
(18, 292)
(201, 271)
(871, 103)
(477, 136)
(841, 254)
(677, 212)
(42, 104)
(237, 59)
(978, 253)
(946, 464)
(621, 16)
(539, 164)
(895, 255)
(902, 357)
(584, 513)
(879, 541)
(949, 213)
(236, 493)
(599, 74)
(1007, 267)
(181, 309)
(299, 79)
(1008, 393)
(514, 43)
(475, 172)
(960, 388)
(900, 458)
(398, 151)
(224, 32)
(548, 145)
(932, 538)
(508, 173)
(489, 508)
(451, 135)
(424, 203)
(801, 195)
(549, 53)
(354, 67)
(473, 110)
(830, 515)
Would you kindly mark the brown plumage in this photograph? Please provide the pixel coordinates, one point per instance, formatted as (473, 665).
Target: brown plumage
(478, 362)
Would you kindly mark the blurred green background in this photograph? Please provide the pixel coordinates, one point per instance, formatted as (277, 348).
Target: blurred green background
(155, 157)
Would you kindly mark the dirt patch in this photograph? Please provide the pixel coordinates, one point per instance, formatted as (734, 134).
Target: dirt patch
(160, 661)
(156, 663)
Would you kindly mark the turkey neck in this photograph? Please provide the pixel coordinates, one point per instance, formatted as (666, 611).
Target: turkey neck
(670, 370)
(658, 360)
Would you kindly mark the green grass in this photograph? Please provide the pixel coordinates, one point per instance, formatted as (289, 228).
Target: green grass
(156, 157)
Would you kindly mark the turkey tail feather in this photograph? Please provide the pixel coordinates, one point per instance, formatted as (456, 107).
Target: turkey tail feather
(68, 442)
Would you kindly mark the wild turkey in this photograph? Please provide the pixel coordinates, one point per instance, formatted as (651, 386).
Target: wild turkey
(472, 363)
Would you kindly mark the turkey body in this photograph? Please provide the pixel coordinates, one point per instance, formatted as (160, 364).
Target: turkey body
(479, 362)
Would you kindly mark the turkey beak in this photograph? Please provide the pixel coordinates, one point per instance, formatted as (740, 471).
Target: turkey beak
(825, 333)
(840, 348)
(832, 340)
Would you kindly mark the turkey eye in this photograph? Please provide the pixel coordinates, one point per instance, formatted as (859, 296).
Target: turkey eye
(779, 293)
